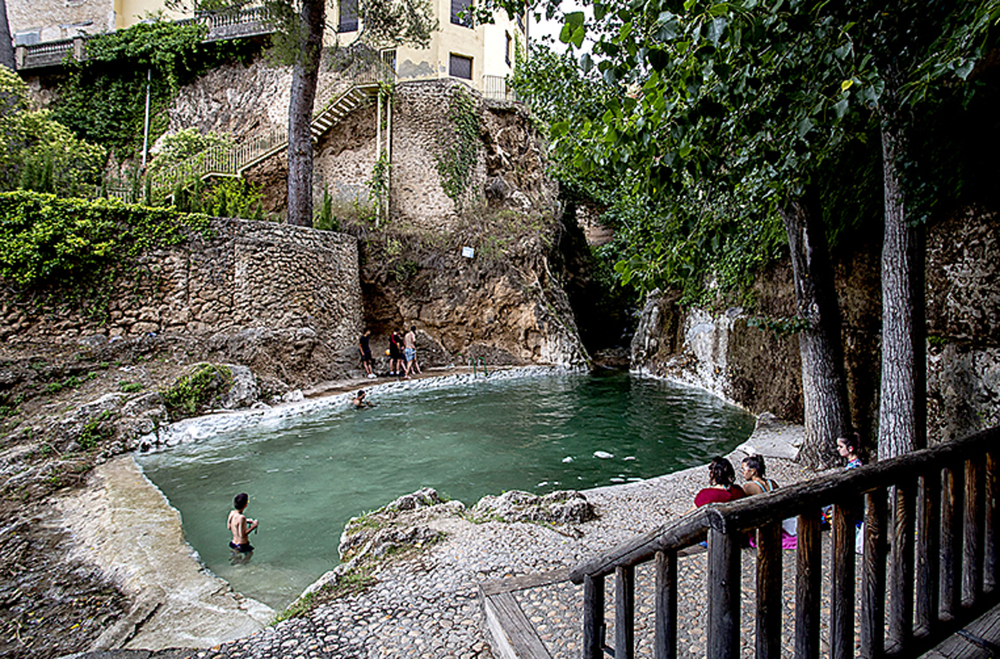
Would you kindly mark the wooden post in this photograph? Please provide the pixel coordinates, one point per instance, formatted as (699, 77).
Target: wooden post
(769, 600)
(624, 612)
(723, 595)
(873, 577)
(593, 616)
(972, 562)
(665, 640)
(901, 567)
(990, 543)
(842, 583)
(928, 550)
(951, 542)
(807, 586)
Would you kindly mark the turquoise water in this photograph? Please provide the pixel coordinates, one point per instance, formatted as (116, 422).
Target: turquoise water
(309, 475)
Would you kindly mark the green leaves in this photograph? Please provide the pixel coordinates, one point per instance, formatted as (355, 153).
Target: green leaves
(48, 241)
(573, 30)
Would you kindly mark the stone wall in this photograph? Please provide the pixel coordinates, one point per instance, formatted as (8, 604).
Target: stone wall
(245, 278)
(246, 99)
(761, 371)
(61, 19)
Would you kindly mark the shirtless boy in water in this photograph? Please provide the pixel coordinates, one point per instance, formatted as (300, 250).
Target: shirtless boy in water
(240, 525)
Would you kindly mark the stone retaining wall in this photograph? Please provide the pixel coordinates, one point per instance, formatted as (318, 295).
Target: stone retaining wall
(244, 275)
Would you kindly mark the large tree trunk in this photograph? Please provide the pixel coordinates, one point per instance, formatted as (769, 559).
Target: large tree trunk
(902, 423)
(6, 45)
(305, 74)
(824, 388)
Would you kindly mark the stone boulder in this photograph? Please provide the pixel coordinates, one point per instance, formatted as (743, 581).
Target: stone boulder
(402, 523)
(562, 507)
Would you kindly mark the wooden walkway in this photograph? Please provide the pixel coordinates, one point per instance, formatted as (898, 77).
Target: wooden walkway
(979, 639)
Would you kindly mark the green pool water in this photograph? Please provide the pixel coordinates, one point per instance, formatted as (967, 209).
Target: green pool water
(308, 475)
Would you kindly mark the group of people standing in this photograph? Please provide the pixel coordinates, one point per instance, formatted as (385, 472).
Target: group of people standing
(402, 353)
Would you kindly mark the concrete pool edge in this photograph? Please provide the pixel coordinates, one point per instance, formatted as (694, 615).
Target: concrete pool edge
(123, 524)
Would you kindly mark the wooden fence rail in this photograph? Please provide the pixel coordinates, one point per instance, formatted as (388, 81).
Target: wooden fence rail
(928, 562)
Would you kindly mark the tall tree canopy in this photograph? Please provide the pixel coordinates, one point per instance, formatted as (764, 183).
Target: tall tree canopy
(752, 98)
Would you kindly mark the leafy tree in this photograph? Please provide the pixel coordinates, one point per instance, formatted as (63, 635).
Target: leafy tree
(753, 99)
(6, 43)
(38, 153)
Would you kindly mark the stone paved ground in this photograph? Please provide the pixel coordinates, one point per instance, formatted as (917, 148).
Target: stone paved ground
(427, 606)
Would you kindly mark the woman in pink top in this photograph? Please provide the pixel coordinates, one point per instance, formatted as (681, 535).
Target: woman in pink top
(722, 484)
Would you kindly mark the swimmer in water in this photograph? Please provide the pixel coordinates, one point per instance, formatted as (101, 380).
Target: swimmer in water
(359, 401)
(240, 525)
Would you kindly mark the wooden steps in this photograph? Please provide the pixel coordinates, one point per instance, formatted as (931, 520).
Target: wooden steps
(513, 635)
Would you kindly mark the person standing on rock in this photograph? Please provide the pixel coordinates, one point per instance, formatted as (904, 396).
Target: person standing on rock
(395, 354)
(240, 525)
(366, 352)
(410, 351)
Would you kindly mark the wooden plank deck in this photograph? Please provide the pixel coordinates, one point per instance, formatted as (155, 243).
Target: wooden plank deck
(982, 642)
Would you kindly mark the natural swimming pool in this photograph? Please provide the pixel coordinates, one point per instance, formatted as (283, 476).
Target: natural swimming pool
(308, 474)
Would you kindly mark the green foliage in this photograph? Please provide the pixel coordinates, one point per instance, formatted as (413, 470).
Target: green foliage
(456, 165)
(37, 153)
(234, 197)
(94, 431)
(325, 219)
(45, 240)
(378, 184)
(191, 393)
(103, 100)
(780, 326)
(185, 146)
(130, 387)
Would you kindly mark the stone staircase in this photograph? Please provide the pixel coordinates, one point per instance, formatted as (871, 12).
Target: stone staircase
(247, 150)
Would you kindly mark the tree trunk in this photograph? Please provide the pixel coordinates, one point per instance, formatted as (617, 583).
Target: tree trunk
(902, 423)
(824, 388)
(6, 45)
(305, 73)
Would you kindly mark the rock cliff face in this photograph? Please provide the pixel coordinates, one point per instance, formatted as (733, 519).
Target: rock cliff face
(503, 304)
(762, 372)
(506, 302)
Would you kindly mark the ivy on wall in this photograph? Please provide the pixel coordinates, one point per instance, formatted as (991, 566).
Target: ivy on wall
(72, 251)
(104, 99)
(456, 165)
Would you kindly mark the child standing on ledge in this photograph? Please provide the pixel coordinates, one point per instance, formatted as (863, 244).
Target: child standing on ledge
(240, 525)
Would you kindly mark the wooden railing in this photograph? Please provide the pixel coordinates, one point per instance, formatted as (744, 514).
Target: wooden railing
(928, 565)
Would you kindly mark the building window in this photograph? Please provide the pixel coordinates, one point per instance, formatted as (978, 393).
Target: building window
(520, 22)
(460, 67)
(461, 12)
(348, 16)
(389, 59)
(506, 52)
